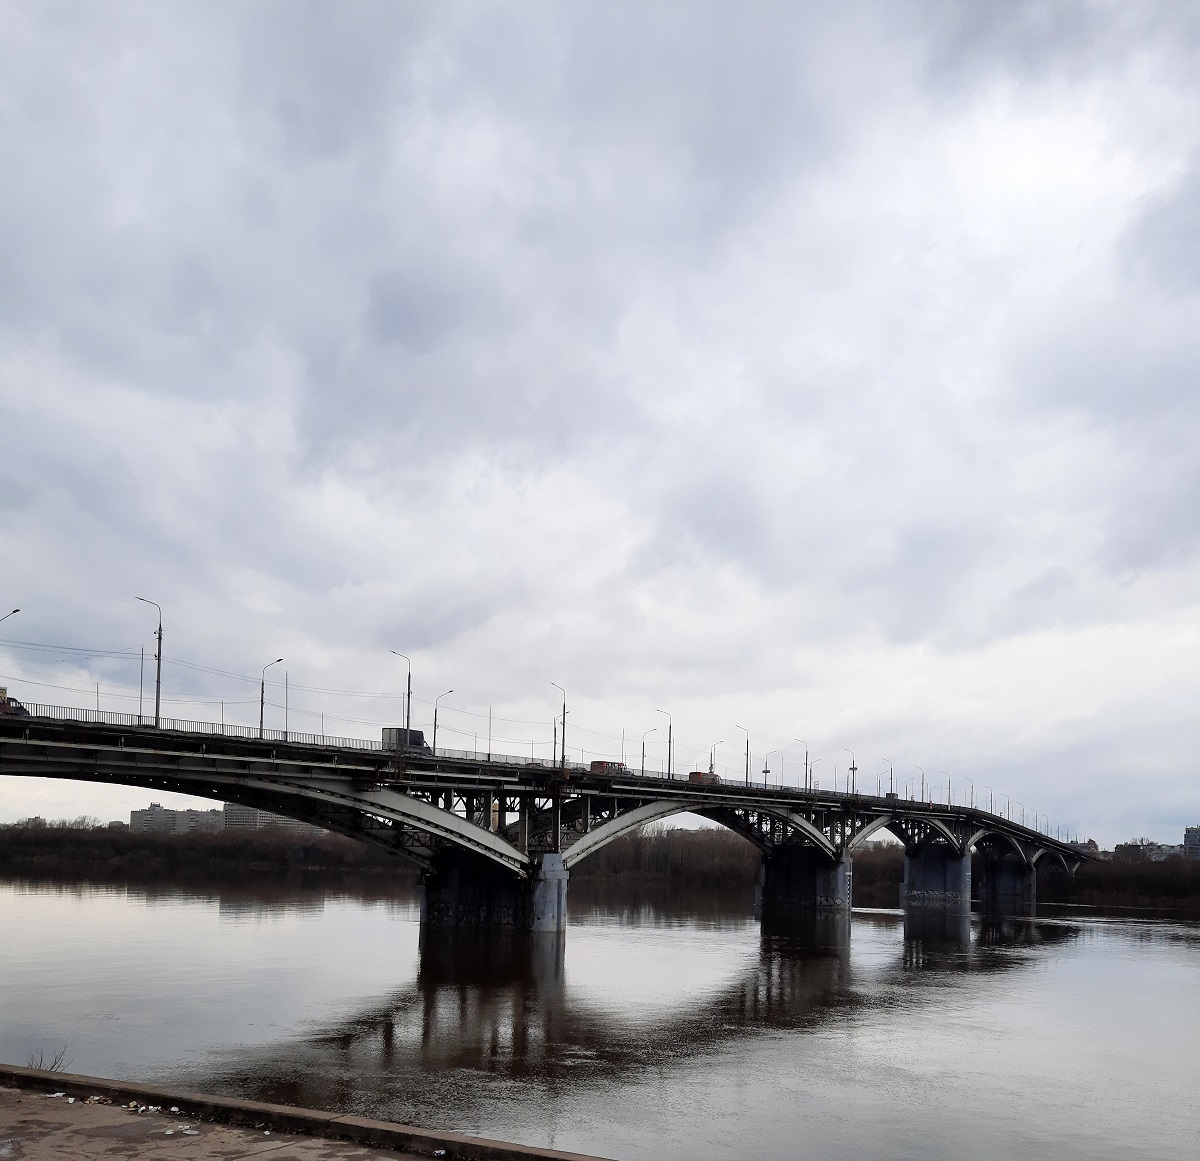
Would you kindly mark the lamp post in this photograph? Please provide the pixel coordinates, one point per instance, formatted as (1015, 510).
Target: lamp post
(812, 769)
(644, 737)
(407, 700)
(971, 800)
(12, 614)
(767, 767)
(805, 745)
(908, 789)
(262, 696)
(157, 660)
(712, 757)
(949, 795)
(991, 796)
(670, 743)
(747, 733)
(435, 713)
(891, 778)
(564, 716)
(922, 769)
(853, 772)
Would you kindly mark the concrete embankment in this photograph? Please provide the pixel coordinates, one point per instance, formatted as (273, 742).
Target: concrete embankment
(34, 1124)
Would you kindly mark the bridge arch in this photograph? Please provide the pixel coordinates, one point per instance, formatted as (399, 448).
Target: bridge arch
(875, 825)
(993, 832)
(331, 808)
(649, 812)
(1042, 851)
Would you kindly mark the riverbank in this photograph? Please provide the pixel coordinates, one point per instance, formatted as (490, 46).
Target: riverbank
(712, 860)
(49, 1115)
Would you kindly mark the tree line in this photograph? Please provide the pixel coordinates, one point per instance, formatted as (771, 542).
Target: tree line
(713, 859)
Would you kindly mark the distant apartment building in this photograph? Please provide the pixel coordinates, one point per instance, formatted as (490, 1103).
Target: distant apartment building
(248, 818)
(158, 820)
(1191, 842)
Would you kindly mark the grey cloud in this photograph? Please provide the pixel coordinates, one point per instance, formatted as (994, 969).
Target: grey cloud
(415, 312)
(1164, 241)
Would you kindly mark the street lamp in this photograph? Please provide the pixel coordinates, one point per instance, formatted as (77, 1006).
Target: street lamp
(891, 778)
(805, 745)
(922, 769)
(767, 767)
(262, 695)
(564, 733)
(812, 769)
(853, 772)
(435, 712)
(747, 733)
(644, 736)
(949, 796)
(407, 701)
(991, 797)
(971, 800)
(7, 615)
(712, 757)
(670, 742)
(158, 663)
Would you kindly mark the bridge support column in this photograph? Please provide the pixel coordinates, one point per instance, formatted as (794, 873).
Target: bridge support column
(463, 890)
(805, 894)
(936, 877)
(1007, 886)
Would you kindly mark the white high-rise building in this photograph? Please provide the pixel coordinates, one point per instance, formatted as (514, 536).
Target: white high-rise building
(239, 817)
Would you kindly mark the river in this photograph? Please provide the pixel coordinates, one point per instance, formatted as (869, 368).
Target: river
(660, 1027)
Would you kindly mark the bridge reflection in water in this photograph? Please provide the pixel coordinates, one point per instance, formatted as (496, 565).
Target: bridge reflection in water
(503, 1006)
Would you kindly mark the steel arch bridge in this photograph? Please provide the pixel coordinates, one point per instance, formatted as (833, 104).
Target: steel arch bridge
(505, 813)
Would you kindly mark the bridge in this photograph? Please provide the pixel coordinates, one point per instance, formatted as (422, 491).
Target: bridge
(496, 836)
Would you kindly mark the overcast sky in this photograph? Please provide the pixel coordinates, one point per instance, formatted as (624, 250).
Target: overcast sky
(828, 371)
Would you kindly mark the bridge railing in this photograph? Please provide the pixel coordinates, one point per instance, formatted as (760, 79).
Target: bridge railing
(220, 729)
(179, 725)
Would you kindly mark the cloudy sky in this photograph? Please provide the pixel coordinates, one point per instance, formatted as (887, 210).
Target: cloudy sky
(827, 371)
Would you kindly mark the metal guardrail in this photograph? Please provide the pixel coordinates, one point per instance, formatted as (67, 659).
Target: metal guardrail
(179, 725)
(292, 737)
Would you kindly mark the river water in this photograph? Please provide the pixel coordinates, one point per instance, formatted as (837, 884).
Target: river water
(658, 1028)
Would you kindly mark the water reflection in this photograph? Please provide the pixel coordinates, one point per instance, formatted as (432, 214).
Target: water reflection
(664, 1025)
(504, 1007)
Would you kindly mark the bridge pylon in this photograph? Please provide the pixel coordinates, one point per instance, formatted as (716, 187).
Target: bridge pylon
(466, 891)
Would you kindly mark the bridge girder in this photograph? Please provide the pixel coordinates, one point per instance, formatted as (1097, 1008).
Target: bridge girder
(413, 804)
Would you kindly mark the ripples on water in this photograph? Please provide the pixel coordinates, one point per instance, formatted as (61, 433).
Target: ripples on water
(662, 1026)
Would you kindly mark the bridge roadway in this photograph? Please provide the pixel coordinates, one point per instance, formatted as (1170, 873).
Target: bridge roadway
(496, 839)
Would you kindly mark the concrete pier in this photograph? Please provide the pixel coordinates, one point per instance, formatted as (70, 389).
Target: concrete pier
(466, 890)
(936, 877)
(1007, 885)
(804, 894)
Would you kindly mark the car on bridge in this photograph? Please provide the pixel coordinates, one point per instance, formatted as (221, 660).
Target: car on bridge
(705, 777)
(10, 707)
(399, 738)
(602, 767)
